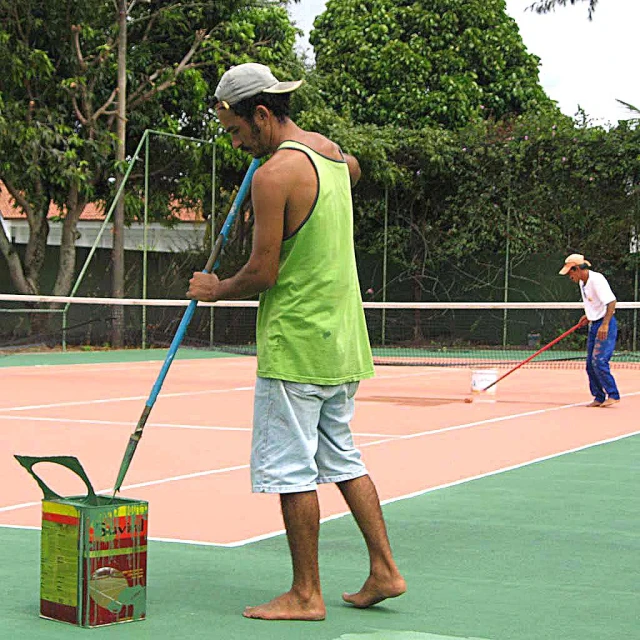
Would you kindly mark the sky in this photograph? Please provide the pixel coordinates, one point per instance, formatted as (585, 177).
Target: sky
(582, 63)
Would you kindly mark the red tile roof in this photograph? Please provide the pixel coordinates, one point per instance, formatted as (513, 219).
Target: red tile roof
(93, 211)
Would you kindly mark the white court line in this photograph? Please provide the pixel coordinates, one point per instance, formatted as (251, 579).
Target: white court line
(188, 476)
(154, 425)
(15, 507)
(168, 395)
(119, 365)
(415, 494)
(75, 403)
(235, 360)
(143, 365)
(467, 425)
(162, 425)
(23, 372)
(479, 423)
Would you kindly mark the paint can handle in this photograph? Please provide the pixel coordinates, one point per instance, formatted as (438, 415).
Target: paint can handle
(70, 462)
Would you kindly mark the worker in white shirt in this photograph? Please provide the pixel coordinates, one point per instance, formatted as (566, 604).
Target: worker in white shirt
(599, 307)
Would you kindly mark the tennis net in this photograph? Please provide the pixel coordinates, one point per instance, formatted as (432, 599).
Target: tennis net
(474, 334)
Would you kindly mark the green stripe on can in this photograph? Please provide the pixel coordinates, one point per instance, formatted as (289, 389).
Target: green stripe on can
(106, 553)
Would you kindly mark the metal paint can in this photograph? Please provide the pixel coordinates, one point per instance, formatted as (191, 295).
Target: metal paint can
(93, 553)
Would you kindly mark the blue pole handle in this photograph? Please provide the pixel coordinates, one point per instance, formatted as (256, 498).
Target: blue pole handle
(212, 263)
(175, 343)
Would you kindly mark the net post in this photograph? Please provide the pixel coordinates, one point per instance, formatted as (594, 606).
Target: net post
(634, 339)
(507, 259)
(213, 228)
(384, 263)
(64, 329)
(636, 247)
(144, 243)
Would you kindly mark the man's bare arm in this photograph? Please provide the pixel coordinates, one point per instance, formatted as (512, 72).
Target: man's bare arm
(354, 169)
(611, 307)
(261, 270)
(603, 330)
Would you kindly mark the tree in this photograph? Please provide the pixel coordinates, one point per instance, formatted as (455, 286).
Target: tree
(416, 64)
(494, 194)
(545, 6)
(473, 209)
(632, 108)
(59, 97)
(117, 252)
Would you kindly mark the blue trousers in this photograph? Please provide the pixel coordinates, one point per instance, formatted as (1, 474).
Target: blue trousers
(599, 352)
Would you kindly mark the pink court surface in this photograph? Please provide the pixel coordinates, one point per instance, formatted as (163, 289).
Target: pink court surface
(412, 425)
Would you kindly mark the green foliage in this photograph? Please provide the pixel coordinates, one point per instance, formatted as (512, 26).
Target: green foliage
(632, 108)
(416, 64)
(58, 91)
(545, 6)
(460, 149)
(533, 185)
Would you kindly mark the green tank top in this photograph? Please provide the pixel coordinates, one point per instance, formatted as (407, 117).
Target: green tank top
(311, 325)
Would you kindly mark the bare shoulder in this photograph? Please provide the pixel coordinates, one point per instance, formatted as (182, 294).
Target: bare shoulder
(280, 175)
(277, 169)
(322, 145)
(284, 167)
(330, 149)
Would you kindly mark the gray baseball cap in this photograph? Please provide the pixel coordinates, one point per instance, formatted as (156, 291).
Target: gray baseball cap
(247, 80)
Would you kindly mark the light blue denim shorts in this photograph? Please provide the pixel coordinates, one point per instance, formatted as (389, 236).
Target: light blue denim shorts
(301, 436)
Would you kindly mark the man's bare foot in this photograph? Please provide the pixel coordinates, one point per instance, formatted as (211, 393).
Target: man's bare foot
(610, 402)
(288, 606)
(375, 590)
(594, 403)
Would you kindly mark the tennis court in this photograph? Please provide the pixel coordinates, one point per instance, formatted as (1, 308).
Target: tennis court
(512, 518)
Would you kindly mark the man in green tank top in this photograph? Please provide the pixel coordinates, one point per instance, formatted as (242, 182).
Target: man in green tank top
(313, 346)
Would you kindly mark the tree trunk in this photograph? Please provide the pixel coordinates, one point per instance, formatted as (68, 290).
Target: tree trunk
(117, 255)
(34, 261)
(36, 248)
(67, 264)
(26, 275)
(16, 271)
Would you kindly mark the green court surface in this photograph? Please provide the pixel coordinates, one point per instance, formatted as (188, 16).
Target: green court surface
(91, 356)
(545, 552)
